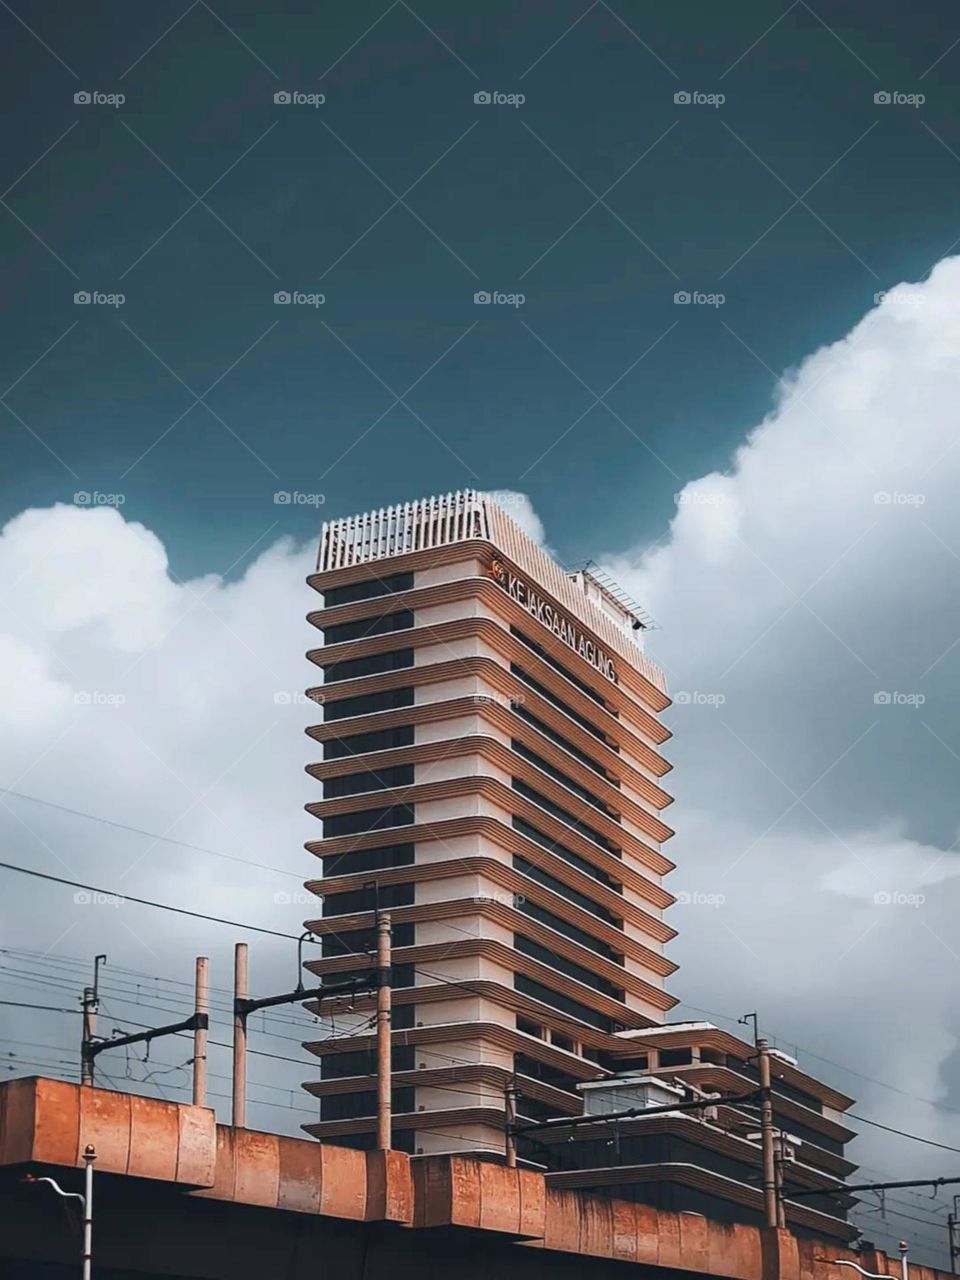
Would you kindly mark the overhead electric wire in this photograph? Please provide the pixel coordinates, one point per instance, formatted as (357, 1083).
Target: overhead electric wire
(151, 835)
(199, 915)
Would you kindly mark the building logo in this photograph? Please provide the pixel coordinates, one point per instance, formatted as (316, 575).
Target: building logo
(547, 614)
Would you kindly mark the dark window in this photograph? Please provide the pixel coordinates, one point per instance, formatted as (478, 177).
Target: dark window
(363, 1062)
(566, 854)
(390, 895)
(577, 972)
(353, 1106)
(367, 703)
(563, 778)
(404, 1016)
(543, 916)
(524, 790)
(364, 627)
(349, 824)
(572, 1008)
(526, 1066)
(545, 729)
(528, 1027)
(367, 589)
(380, 859)
(373, 665)
(352, 784)
(676, 1057)
(551, 882)
(544, 692)
(358, 744)
(557, 666)
(352, 942)
(402, 974)
(640, 1063)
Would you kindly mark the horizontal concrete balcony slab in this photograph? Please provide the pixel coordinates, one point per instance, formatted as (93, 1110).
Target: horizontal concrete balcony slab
(502, 715)
(506, 760)
(492, 677)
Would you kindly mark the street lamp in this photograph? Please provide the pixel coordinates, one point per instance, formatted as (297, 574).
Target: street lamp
(86, 1200)
(872, 1275)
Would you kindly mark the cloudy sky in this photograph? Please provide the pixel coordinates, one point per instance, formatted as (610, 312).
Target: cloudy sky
(770, 467)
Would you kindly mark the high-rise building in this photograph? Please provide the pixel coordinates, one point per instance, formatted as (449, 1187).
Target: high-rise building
(491, 771)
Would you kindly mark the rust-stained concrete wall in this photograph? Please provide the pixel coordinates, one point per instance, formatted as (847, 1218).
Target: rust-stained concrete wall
(178, 1195)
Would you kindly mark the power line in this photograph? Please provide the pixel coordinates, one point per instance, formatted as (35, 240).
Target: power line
(915, 1097)
(145, 902)
(47, 1008)
(152, 835)
(199, 915)
(900, 1133)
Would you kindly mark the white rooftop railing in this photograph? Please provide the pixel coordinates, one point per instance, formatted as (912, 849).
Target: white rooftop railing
(462, 517)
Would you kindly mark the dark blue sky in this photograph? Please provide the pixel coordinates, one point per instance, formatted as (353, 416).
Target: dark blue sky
(398, 199)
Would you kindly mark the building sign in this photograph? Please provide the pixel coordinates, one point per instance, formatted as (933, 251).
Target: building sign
(551, 617)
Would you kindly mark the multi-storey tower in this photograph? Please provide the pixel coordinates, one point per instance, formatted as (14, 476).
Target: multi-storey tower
(491, 774)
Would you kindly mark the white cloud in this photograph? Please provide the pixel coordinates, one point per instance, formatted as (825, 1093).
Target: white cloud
(813, 592)
(786, 589)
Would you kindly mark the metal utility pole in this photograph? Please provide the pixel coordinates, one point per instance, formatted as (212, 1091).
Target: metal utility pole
(201, 1006)
(91, 1045)
(952, 1236)
(240, 993)
(779, 1160)
(89, 1155)
(384, 1018)
(90, 1003)
(86, 1200)
(510, 1118)
(243, 1006)
(771, 1208)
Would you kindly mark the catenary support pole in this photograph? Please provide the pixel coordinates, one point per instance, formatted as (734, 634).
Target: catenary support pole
(240, 992)
(766, 1135)
(87, 1035)
(201, 1005)
(384, 1002)
(510, 1122)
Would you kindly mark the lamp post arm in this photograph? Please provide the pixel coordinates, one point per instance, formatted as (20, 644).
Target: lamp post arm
(843, 1262)
(67, 1195)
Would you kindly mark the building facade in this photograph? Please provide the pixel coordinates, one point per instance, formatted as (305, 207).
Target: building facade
(491, 768)
(491, 765)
